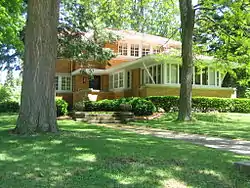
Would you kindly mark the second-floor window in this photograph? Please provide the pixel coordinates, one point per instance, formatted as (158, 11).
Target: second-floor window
(157, 50)
(123, 49)
(134, 50)
(145, 49)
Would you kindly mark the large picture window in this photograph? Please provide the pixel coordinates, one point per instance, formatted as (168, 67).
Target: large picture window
(63, 83)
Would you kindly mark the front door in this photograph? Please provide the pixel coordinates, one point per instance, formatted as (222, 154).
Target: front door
(95, 83)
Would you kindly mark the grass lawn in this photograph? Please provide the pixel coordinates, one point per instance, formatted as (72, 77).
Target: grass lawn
(228, 125)
(87, 156)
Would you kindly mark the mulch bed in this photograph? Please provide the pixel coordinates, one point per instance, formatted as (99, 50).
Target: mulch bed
(64, 118)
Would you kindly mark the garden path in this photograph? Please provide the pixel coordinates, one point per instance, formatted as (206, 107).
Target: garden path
(236, 146)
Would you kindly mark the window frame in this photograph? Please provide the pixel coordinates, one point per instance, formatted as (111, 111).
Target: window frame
(135, 49)
(118, 81)
(123, 48)
(59, 82)
(167, 75)
(145, 50)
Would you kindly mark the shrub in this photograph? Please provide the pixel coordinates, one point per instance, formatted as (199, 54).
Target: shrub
(139, 106)
(5, 94)
(168, 103)
(61, 107)
(9, 106)
(203, 104)
(142, 106)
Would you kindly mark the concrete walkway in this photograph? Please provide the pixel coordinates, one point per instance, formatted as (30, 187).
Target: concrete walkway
(236, 146)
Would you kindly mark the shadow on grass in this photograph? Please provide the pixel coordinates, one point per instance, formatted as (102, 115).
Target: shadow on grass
(228, 125)
(89, 156)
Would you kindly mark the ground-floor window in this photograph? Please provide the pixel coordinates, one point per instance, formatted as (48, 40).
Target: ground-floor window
(206, 76)
(171, 74)
(153, 74)
(116, 80)
(63, 82)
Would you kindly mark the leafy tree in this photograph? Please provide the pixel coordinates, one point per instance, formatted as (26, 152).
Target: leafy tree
(37, 110)
(5, 94)
(12, 23)
(222, 30)
(150, 16)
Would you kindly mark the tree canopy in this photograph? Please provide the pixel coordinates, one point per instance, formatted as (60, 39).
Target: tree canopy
(11, 24)
(222, 30)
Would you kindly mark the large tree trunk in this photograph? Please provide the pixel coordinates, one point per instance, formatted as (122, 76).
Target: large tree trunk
(38, 110)
(187, 25)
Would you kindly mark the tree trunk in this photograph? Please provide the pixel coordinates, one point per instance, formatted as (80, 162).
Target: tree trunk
(38, 111)
(187, 25)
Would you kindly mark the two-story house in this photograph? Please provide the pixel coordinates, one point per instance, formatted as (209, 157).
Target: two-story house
(136, 72)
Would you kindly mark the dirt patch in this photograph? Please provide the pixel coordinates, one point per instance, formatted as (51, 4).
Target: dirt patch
(153, 116)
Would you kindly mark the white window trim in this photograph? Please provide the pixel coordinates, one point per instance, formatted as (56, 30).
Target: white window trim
(124, 80)
(134, 49)
(170, 82)
(146, 73)
(128, 48)
(60, 75)
(140, 44)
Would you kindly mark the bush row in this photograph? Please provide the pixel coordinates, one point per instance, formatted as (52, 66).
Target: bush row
(203, 104)
(140, 106)
(11, 106)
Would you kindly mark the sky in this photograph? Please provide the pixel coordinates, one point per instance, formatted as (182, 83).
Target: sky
(4, 73)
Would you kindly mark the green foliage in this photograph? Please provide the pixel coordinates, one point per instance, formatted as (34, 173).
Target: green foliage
(9, 106)
(222, 30)
(247, 93)
(12, 23)
(203, 104)
(157, 17)
(61, 107)
(5, 94)
(82, 36)
(7, 102)
(139, 106)
(142, 106)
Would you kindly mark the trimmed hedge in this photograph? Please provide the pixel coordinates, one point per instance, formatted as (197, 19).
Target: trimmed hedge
(146, 106)
(61, 107)
(140, 106)
(203, 104)
(9, 106)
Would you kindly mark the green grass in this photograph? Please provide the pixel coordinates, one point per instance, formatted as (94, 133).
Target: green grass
(87, 156)
(228, 125)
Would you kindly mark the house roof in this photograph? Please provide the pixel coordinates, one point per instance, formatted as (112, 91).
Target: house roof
(146, 38)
